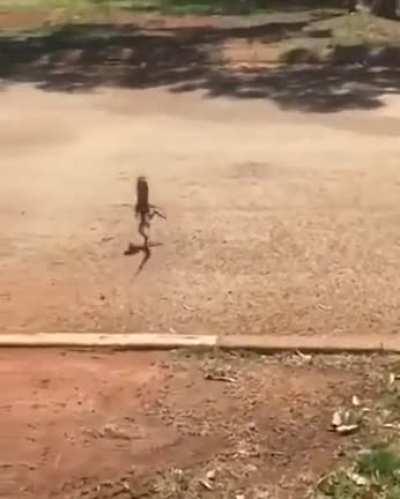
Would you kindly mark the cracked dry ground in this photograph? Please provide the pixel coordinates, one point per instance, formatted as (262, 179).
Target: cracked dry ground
(130, 425)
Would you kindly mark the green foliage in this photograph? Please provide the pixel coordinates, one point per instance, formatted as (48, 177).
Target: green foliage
(375, 475)
(84, 7)
(337, 486)
(176, 7)
(380, 464)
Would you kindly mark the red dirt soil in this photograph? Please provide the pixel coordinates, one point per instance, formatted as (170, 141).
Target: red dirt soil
(79, 424)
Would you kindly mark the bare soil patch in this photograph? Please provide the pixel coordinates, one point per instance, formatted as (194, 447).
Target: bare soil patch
(93, 424)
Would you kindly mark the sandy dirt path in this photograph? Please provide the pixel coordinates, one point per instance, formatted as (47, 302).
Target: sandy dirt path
(278, 222)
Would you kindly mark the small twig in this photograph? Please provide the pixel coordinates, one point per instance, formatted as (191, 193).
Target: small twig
(206, 484)
(276, 453)
(324, 307)
(213, 377)
(391, 426)
(322, 479)
(303, 356)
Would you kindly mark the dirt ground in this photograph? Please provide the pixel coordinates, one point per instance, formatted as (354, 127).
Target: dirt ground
(291, 229)
(102, 425)
(279, 221)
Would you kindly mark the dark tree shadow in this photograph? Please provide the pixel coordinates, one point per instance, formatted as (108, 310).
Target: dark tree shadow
(83, 57)
(309, 89)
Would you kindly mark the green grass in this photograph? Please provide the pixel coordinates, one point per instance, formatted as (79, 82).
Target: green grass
(380, 464)
(375, 475)
(342, 39)
(374, 472)
(361, 28)
(177, 7)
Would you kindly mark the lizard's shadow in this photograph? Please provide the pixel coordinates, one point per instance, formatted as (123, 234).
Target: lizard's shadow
(134, 249)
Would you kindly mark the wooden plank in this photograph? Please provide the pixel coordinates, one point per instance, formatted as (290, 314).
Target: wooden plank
(312, 344)
(160, 341)
(137, 341)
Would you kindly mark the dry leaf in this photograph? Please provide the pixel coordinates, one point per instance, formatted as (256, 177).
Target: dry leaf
(336, 419)
(347, 429)
(358, 479)
(211, 475)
